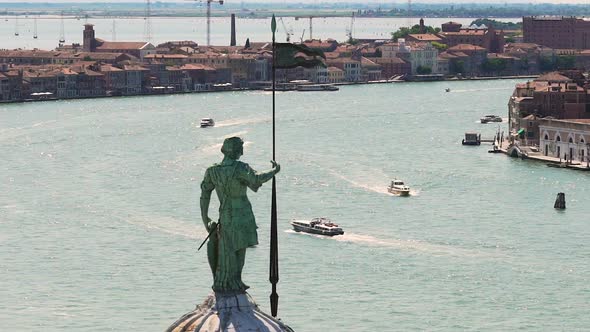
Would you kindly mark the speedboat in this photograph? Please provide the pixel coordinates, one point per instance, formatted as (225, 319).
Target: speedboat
(207, 122)
(320, 226)
(490, 118)
(448, 90)
(398, 187)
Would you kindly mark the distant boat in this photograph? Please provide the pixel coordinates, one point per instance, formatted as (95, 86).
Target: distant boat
(448, 90)
(35, 29)
(207, 122)
(490, 118)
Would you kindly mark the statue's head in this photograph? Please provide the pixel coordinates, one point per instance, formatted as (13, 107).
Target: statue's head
(233, 147)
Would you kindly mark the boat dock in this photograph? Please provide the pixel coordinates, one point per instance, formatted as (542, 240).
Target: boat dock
(526, 152)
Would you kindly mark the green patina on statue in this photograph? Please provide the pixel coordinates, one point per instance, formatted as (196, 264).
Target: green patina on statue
(236, 229)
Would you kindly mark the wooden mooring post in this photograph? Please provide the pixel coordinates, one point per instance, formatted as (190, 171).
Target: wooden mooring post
(560, 201)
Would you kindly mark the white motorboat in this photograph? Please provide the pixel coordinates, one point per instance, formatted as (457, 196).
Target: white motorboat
(398, 187)
(207, 122)
(320, 226)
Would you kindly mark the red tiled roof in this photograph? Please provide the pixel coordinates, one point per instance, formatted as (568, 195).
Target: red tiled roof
(466, 47)
(121, 45)
(553, 77)
(425, 37)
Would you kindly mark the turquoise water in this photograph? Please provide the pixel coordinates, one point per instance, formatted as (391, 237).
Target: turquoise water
(99, 217)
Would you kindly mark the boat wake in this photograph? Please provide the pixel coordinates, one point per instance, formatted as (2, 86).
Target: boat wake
(215, 148)
(237, 122)
(405, 245)
(476, 90)
(378, 188)
(165, 225)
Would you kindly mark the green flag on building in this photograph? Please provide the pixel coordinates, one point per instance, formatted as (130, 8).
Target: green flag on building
(290, 56)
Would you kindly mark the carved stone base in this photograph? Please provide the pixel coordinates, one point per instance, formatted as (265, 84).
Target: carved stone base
(228, 313)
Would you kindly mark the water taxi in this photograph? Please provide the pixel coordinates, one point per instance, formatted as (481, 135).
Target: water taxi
(320, 226)
(207, 122)
(398, 187)
(490, 118)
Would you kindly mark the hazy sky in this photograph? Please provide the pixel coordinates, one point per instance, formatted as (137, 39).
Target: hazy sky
(335, 1)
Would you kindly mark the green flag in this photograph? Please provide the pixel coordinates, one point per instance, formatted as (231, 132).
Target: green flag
(290, 56)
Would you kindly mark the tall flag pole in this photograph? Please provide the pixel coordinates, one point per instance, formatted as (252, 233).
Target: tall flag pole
(274, 245)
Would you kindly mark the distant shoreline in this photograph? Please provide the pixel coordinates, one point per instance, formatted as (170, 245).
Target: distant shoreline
(483, 78)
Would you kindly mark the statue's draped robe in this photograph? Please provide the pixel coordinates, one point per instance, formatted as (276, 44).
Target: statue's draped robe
(237, 226)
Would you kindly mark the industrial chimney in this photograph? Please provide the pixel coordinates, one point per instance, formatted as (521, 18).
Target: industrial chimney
(233, 30)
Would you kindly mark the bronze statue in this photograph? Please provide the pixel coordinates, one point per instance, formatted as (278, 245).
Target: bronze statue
(236, 229)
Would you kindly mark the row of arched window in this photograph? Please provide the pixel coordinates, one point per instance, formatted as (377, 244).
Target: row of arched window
(558, 139)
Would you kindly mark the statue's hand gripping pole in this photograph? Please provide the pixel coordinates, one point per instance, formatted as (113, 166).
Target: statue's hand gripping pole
(208, 236)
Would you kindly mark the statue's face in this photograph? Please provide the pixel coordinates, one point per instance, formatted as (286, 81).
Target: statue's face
(238, 153)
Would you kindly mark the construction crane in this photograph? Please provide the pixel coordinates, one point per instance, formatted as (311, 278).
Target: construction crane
(62, 36)
(209, 17)
(287, 32)
(310, 24)
(350, 30)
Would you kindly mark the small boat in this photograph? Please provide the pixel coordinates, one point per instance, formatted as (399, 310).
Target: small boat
(320, 226)
(448, 90)
(490, 118)
(398, 187)
(207, 122)
(317, 87)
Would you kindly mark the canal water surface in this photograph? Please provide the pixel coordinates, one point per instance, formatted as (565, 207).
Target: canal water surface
(99, 216)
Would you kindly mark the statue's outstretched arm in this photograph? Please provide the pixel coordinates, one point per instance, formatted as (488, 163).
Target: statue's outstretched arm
(255, 179)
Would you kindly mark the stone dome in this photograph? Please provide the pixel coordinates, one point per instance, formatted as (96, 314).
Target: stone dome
(228, 313)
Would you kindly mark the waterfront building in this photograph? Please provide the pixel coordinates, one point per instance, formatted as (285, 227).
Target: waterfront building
(530, 54)
(443, 64)
(453, 34)
(198, 77)
(93, 44)
(421, 56)
(352, 68)
(136, 78)
(393, 66)
(317, 74)
(557, 31)
(39, 80)
(335, 75)
(370, 70)
(471, 57)
(168, 59)
(10, 84)
(67, 83)
(115, 79)
(566, 139)
(90, 83)
(552, 95)
(38, 57)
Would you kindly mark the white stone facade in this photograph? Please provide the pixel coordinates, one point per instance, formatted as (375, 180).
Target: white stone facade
(566, 139)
